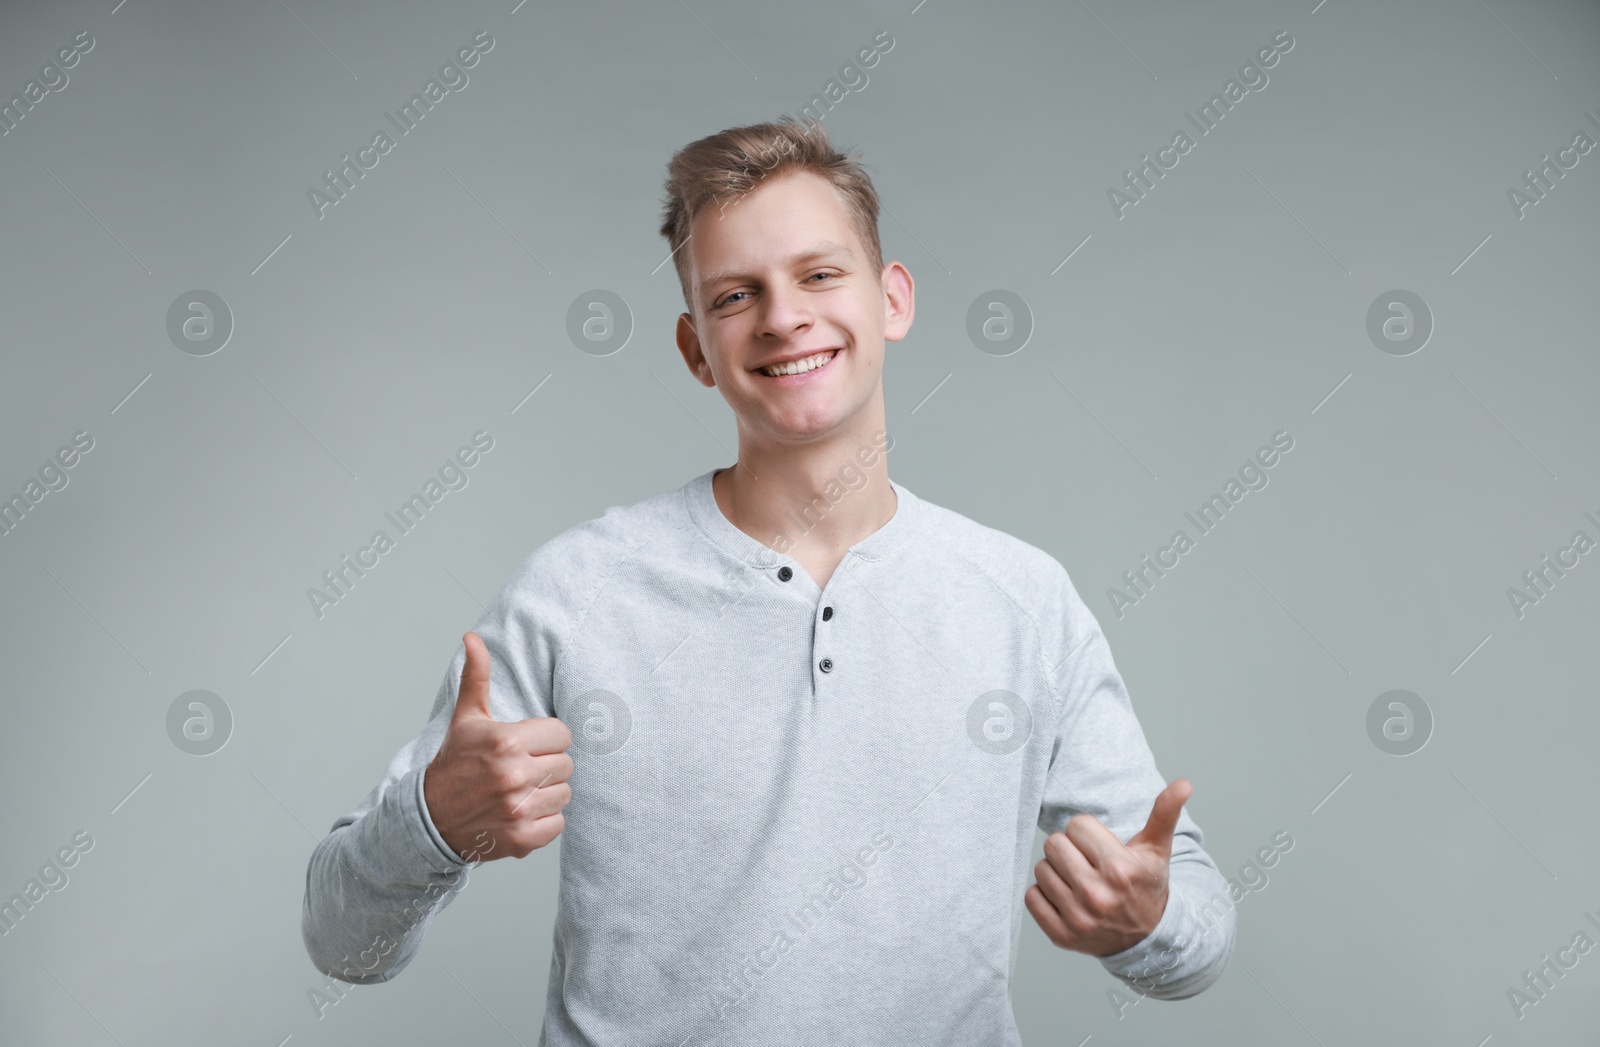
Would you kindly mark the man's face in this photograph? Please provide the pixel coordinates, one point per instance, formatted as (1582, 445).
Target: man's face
(781, 271)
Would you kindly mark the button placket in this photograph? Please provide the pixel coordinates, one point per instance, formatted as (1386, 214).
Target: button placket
(825, 664)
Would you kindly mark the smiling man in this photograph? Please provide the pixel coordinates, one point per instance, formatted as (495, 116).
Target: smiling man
(793, 725)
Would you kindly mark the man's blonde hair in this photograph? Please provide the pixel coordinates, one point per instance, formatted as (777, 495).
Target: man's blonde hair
(721, 168)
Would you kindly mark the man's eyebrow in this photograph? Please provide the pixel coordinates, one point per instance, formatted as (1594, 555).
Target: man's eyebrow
(824, 249)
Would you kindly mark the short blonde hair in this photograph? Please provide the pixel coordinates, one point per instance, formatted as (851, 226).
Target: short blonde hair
(727, 165)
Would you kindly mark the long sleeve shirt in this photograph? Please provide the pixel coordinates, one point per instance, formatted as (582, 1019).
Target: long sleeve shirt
(798, 815)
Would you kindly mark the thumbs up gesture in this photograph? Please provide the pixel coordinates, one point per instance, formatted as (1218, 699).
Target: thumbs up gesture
(1093, 894)
(496, 790)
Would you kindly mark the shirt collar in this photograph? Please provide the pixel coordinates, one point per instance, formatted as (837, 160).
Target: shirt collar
(702, 507)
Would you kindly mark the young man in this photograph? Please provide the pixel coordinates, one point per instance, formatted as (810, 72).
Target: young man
(813, 718)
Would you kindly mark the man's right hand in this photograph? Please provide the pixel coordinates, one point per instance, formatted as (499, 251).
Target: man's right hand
(496, 790)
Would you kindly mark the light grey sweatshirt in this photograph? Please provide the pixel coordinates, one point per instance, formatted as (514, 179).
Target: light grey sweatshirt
(799, 816)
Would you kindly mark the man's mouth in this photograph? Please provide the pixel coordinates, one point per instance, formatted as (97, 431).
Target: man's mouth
(810, 363)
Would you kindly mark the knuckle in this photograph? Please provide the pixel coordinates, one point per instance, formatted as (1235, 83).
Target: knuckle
(554, 769)
(510, 805)
(505, 778)
(551, 800)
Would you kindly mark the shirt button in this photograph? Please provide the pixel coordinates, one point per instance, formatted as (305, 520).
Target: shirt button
(826, 665)
(784, 574)
(827, 613)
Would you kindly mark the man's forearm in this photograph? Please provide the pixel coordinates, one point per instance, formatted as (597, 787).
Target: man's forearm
(372, 886)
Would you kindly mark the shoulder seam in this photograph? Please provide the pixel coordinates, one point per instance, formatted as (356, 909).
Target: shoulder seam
(621, 560)
(1038, 633)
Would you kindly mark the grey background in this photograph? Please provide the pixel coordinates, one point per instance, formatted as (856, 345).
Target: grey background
(1228, 305)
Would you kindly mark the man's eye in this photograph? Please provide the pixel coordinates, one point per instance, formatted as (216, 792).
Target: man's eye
(735, 295)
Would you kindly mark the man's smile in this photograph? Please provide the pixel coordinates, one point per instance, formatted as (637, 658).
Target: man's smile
(795, 369)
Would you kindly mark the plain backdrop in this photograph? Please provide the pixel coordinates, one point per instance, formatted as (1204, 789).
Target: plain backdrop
(1167, 340)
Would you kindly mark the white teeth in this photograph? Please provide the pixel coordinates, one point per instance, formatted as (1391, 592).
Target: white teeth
(810, 363)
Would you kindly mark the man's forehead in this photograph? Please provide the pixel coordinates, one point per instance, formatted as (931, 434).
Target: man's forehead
(791, 192)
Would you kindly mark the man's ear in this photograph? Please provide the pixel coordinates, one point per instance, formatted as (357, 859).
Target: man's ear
(693, 357)
(900, 301)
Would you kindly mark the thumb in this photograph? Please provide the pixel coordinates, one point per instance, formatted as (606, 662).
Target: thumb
(472, 697)
(1157, 831)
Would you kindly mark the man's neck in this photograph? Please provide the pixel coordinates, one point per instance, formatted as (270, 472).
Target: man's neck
(808, 504)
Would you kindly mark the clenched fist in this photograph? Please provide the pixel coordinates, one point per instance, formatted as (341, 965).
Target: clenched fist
(496, 790)
(1094, 894)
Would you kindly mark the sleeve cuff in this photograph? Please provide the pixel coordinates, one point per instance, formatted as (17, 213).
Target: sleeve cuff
(1177, 959)
(444, 859)
(1135, 958)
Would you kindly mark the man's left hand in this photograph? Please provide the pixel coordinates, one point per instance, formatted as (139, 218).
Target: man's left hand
(1095, 895)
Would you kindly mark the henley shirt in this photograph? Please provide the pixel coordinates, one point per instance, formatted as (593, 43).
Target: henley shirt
(799, 816)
